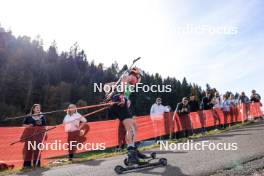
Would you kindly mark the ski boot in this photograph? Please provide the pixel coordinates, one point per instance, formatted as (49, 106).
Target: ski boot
(138, 165)
(142, 155)
(133, 158)
(134, 162)
(142, 158)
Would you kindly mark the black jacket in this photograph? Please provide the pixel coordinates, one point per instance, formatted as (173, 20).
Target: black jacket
(206, 103)
(255, 98)
(30, 120)
(180, 107)
(194, 106)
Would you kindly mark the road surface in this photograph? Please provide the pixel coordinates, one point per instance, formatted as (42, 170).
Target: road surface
(250, 144)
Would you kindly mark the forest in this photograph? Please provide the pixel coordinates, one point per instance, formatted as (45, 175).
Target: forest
(30, 74)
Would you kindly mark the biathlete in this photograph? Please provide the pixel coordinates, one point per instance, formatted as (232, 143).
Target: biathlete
(122, 111)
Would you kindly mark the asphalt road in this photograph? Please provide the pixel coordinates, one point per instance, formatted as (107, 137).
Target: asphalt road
(250, 144)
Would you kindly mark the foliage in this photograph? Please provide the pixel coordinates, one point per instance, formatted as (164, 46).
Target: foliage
(29, 74)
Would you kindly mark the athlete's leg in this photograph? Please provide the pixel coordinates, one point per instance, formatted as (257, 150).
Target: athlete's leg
(130, 130)
(134, 137)
(131, 149)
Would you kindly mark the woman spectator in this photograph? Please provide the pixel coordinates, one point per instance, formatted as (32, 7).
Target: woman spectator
(75, 127)
(255, 97)
(206, 103)
(217, 102)
(193, 104)
(36, 121)
(183, 109)
(226, 104)
(226, 108)
(232, 100)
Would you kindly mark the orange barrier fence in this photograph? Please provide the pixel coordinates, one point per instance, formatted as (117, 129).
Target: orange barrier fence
(108, 132)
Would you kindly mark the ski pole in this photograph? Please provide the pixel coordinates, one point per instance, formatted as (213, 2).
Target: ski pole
(39, 152)
(108, 96)
(173, 120)
(25, 138)
(57, 111)
(92, 113)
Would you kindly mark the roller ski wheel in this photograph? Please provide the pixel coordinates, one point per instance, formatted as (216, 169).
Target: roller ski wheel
(119, 169)
(160, 162)
(153, 155)
(163, 161)
(126, 162)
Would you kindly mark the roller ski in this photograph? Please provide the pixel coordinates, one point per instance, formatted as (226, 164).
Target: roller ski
(137, 160)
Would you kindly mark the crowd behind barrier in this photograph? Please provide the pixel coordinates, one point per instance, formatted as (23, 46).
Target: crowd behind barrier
(108, 132)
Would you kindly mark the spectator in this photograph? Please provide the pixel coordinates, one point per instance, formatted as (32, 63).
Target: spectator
(156, 113)
(216, 101)
(183, 110)
(243, 98)
(193, 104)
(226, 104)
(232, 100)
(206, 103)
(183, 107)
(226, 108)
(158, 109)
(74, 126)
(237, 98)
(35, 121)
(255, 97)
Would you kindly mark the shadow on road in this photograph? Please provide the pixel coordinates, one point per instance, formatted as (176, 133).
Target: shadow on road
(169, 171)
(34, 172)
(40, 171)
(168, 151)
(92, 162)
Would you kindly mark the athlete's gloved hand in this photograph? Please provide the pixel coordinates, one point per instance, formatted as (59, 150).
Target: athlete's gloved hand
(82, 132)
(122, 100)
